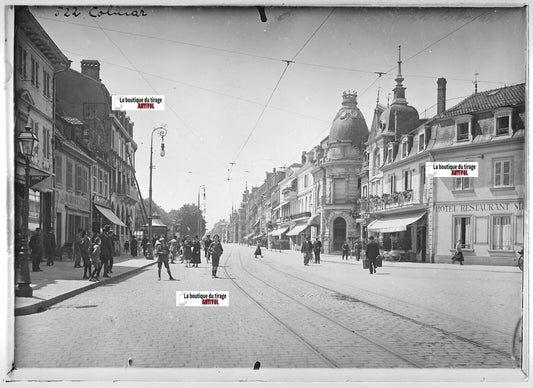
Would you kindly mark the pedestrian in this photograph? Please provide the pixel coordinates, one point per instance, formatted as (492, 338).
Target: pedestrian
(196, 252)
(76, 249)
(133, 246)
(258, 251)
(317, 249)
(36, 246)
(345, 250)
(307, 250)
(215, 251)
(127, 246)
(357, 249)
(95, 258)
(458, 256)
(187, 251)
(144, 244)
(174, 249)
(207, 243)
(49, 245)
(85, 251)
(106, 251)
(162, 251)
(372, 252)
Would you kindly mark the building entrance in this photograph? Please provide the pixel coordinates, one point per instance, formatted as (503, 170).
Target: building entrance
(339, 233)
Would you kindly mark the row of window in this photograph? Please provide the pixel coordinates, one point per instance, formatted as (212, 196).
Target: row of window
(22, 69)
(45, 141)
(500, 233)
(76, 175)
(463, 132)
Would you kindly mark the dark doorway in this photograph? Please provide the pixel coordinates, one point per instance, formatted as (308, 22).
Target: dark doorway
(339, 233)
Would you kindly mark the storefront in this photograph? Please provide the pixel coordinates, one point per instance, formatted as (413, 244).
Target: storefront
(402, 236)
(298, 234)
(276, 238)
(490, 231)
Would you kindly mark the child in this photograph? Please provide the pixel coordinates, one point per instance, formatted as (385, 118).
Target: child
(95, 259)
(258, 251)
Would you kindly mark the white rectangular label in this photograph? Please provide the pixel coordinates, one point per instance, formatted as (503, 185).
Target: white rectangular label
(202, 298)
(452, 169)
(138, 103)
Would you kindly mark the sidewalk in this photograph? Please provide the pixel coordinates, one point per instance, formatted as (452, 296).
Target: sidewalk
(62, 281)
(404, 264)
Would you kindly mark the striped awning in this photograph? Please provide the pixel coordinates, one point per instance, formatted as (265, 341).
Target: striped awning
(278, 232)
(297, 230)
(389, 224)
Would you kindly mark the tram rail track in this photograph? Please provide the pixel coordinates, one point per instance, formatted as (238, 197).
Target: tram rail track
(315, 311)
(413, 320)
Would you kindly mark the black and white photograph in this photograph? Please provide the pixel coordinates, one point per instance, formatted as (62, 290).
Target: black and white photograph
(314, 193)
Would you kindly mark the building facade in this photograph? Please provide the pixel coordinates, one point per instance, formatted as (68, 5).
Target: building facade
(484, 213)
(37, 62)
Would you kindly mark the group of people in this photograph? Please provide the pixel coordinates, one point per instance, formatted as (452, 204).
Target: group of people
(310, 250)
(96, 250)
(188, 251)
(42, 246)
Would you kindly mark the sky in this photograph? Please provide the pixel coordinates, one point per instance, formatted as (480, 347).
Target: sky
(257, 94)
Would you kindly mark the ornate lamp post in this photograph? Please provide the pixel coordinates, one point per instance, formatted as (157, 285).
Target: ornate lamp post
(199, 211)
(26, 141)
(161, 131)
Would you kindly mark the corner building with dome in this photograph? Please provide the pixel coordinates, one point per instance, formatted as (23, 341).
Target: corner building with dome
(338, 162)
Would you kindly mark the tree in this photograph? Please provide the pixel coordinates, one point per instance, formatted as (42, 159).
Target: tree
(187, 219)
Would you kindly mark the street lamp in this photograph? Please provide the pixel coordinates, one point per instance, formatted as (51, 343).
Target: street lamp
(161, 131)
(26, 141)
(199, 211)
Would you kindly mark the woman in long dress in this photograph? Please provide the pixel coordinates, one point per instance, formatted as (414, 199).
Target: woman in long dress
(196, 252)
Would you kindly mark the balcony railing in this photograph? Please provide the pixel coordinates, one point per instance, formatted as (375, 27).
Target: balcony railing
(300, 215)
(389, 201)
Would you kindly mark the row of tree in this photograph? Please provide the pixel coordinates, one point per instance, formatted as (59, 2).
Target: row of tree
(187, 220)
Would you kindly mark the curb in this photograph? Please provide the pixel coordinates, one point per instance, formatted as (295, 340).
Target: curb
(43, 305)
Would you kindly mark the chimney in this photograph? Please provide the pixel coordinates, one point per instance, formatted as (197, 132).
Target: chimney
(441, 95)
(91, 68)
(303, 157)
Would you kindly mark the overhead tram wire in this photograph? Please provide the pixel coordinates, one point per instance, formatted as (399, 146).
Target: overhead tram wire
(202, 88)
(428, 46)
(148, 82)
(279, 59)
(288, 62)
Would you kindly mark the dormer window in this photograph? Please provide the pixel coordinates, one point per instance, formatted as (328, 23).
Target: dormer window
(421, 141)
(463, 128)
(405, 148)
(390, 154)
(502, 121)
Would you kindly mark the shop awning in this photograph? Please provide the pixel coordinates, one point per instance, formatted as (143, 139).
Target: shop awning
(108, 213)
(278, 232)
(396, 223)
(314, 221)
(280, 205)
(297, 230)
(248, 236)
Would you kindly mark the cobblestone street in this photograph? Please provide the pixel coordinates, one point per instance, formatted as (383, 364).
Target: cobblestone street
(329, 315)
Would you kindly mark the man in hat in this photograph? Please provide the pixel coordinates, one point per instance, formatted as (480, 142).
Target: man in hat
(162, 251)
(307, 250)
(372, 252)
(215, 251)
(36, 246)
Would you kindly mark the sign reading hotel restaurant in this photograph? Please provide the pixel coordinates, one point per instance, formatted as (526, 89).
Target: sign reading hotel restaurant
(483, 206)
(451, 169)
(138, 103)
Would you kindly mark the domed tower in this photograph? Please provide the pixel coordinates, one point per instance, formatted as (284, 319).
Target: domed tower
(338, 176)
(399, 118)
(349, 123)
(348, 131)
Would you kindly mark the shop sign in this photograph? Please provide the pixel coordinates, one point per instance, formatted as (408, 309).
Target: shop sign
(484, 207)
